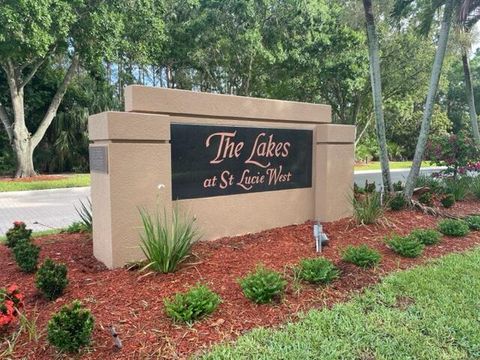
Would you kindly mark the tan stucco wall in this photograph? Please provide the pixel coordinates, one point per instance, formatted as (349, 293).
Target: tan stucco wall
(139, 159)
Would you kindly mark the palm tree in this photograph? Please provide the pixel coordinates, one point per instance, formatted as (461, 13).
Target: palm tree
(428, 13)
(375, 79)
(467, 18)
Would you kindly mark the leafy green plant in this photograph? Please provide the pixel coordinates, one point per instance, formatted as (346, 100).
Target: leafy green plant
(51, 279)
(398, 202)
(426, 236)
(166, 244)
(71, 328)
(426, 199)
(317, 271)
(197, 302)
(26, 255)
(452, 227)
(263, 285)
(448, 200)
(362, 256)
(367, 209)
(473, 222)
(407, 246)
(18, 232)
(86, 215)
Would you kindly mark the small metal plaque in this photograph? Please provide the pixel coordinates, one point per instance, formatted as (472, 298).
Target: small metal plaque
(98, 158)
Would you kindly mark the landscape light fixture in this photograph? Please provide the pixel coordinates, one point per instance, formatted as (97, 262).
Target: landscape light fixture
(320, 237)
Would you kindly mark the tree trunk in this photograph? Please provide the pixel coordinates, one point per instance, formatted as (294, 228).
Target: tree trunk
(24, 155)
(470, 97)
(377, 93)
(432, 93)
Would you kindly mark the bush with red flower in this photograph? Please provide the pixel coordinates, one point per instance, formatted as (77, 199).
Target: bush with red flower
(11, 299)
(18, 232)
(455, 151)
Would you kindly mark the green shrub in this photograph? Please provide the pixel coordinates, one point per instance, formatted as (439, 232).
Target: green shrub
(426, 236)
(51, 279)
(398, 186)
(473, 222)
(165, 244)
(71, 328)
(26, 255)
(18, 232)
(362, 256)
(189, 306)
(76, 227)
(397, 202)
(407, 246)
(452, 227)
(459, 188)
(86, 216)
(263, 285)
(448, 200)
(367, 209)
(426, 199)
(317, 271)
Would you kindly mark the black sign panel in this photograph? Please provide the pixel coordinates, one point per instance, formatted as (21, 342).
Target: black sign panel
(224, 160)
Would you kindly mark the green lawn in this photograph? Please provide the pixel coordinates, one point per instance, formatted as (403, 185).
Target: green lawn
(429, 312)
(76, 180)
(375, 165)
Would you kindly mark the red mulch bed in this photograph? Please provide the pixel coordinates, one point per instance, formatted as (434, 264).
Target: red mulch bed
(34, 178)
(133, 303)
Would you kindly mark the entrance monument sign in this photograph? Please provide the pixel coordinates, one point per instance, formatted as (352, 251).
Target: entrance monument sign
(237, 164)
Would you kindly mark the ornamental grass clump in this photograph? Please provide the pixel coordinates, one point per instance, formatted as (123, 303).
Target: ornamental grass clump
(473, 222)
(362, 256)
(427, 236)
(263, 285)
(51, 279)
(367, 209)
(475, 187)
(71, 328)
(18, 232)
(406, 246)
(317, 271)
(167, 243)
(86, 215)
(199, 301)
(452, 227)
(26, 255)
(459, 188)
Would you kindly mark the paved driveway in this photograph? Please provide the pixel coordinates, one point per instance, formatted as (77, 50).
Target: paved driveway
(41, 209)
(47, 209)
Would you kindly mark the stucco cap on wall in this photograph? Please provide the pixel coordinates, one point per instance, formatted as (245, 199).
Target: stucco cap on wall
(335, 134)
(114, 125)
(184, 102)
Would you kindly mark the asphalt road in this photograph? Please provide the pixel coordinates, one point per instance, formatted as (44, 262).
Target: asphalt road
(51, 209)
